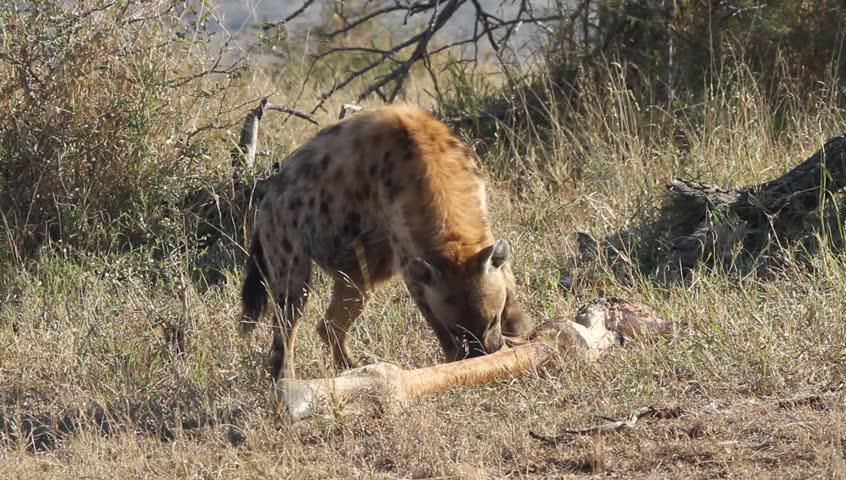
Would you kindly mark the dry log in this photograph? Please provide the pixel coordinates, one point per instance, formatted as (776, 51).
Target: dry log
(703, 223)
(373, 388)
(753, 216)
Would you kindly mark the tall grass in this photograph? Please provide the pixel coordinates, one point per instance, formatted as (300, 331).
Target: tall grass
(88, 331)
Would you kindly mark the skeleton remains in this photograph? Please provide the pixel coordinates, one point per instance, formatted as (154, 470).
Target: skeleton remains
(375, 388)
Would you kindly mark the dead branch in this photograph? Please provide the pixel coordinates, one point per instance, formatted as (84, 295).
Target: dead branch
(347, 109)
(496, 30)
(610, 426)
(813, 398)
(613, 426)
(296, 13)
(292, 111)
(373, 388)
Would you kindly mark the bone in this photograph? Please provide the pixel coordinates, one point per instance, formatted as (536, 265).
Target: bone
(374, 388)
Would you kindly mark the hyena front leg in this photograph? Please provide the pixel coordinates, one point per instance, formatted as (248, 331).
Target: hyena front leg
(349, 300)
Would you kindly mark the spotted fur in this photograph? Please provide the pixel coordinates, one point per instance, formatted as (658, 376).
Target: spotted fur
(387, 191)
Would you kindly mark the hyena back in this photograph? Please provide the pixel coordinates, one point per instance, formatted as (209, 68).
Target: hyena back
(389, 190)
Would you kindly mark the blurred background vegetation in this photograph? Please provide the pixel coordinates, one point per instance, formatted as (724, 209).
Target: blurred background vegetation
(116, 110)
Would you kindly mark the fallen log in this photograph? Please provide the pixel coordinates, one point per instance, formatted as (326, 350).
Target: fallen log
(700, 223)
(597, 326)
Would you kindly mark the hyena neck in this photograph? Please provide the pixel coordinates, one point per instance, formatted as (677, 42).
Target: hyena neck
(460, 249)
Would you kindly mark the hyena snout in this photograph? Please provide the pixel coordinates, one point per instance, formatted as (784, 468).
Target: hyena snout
(470, 346)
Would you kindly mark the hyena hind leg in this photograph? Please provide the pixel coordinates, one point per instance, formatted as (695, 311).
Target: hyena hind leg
(290, 302)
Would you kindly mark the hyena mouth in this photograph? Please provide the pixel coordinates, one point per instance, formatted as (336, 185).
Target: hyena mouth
(467, 345)
(469, 348)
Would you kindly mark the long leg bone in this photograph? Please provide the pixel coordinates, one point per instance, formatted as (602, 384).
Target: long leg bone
(598, 326)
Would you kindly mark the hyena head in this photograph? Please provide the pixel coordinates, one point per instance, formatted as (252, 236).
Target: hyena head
(472, 304)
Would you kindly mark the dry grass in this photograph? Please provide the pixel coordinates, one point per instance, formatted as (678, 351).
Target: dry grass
(84, 336)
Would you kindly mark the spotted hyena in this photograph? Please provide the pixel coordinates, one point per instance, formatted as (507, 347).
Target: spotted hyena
(389, 190)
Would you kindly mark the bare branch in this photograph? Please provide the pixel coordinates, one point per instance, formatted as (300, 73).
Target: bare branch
(612, 426)
(347, 109)
(377, 13)
(498, 30)
(292, 111)
(296, 13)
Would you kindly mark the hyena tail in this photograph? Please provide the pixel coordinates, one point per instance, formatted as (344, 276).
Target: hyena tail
(253, 290)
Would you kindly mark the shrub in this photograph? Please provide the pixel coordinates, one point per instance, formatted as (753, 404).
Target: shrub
(104, 102)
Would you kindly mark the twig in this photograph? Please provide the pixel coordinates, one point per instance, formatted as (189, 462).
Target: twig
(613, 426)
(812, 399)
(370, 16)
(293, 15)
(347, 109)
(292, 111)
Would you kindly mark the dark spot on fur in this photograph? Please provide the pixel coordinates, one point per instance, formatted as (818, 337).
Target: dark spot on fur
(394, 192)
(351, 228)
(324, 162)
(387, 162)
(359, 171)
(308, 171)
(354, 218)
(403, 138)
(295, 222)
(363, 194)
(286, 245)
(311, 202)
(373, 169)
(387, 168)
(295, 204)
(324, 208)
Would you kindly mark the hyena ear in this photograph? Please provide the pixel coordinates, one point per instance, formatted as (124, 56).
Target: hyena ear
(422, 272)
(495, 255)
